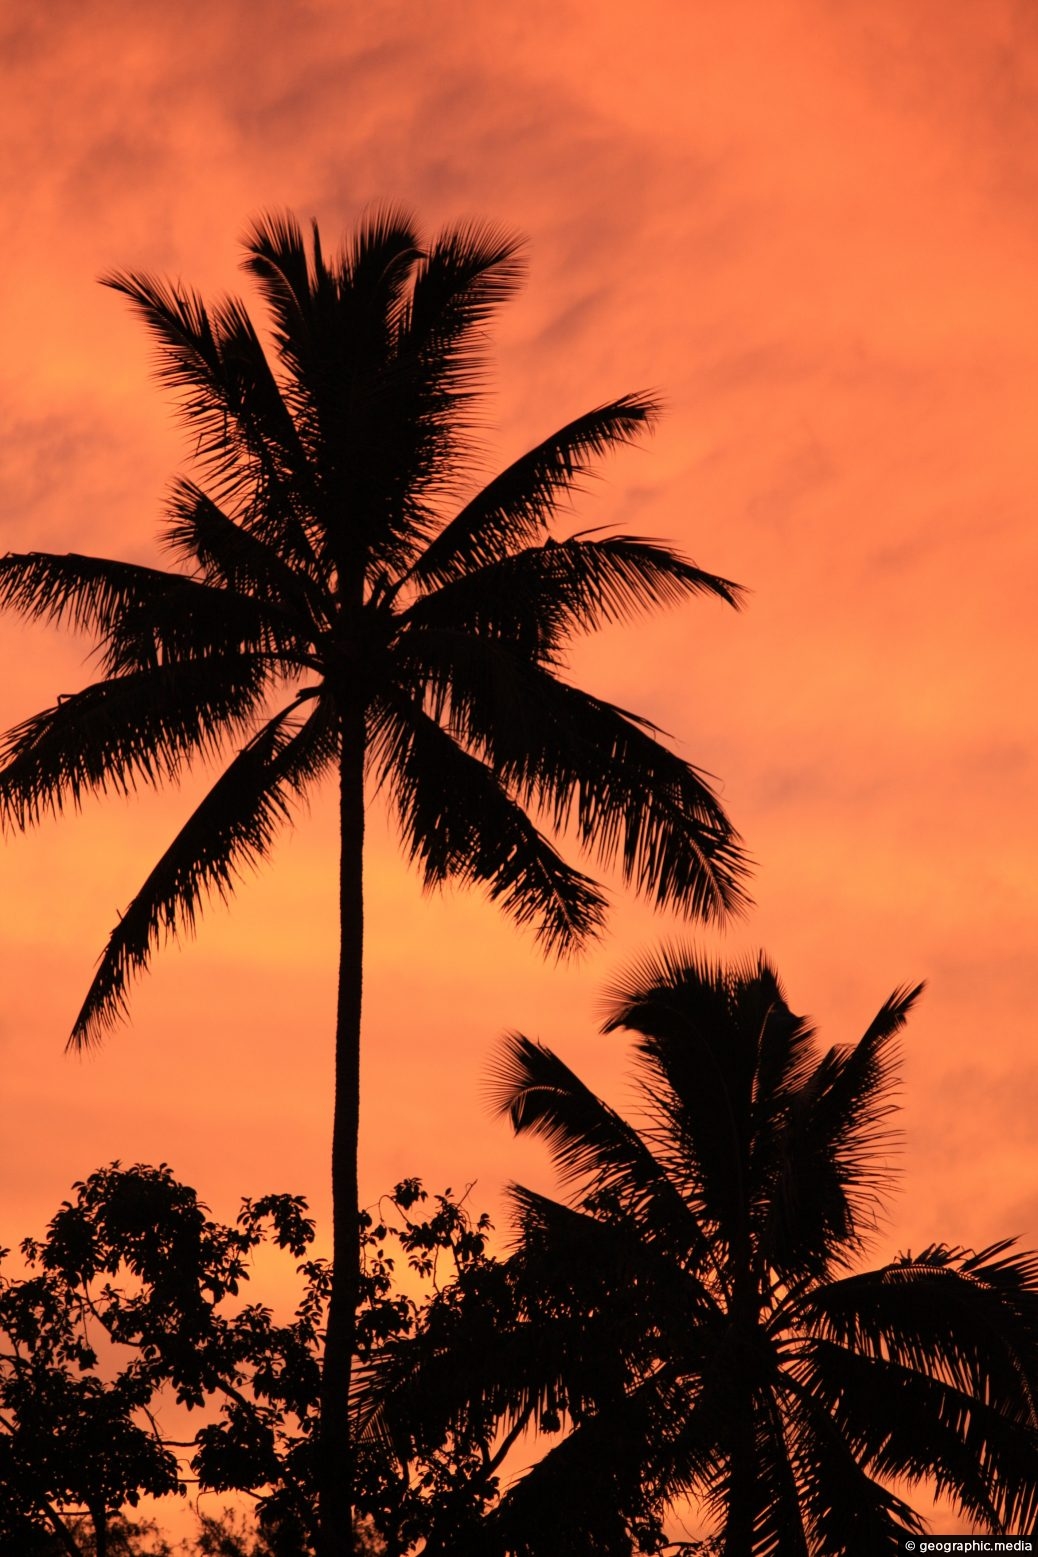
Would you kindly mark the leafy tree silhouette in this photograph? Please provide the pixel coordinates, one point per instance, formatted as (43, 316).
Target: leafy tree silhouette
(697, 1318)
(333, 611)
(136, 1296)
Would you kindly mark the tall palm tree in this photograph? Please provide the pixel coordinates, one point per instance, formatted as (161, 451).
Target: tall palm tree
(339, 606)
(697, 1314)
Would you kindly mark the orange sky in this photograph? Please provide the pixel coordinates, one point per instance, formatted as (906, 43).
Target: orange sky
(811, 227)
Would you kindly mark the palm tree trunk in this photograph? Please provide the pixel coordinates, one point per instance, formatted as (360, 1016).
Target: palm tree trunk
(742, 1446)
(336, 1454)
(738, 1526)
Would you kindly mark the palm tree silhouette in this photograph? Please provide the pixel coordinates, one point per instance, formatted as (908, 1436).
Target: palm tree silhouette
(335, 608)
(697, 1317)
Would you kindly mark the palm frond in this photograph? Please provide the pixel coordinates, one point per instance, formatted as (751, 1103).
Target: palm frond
(537, 598)
(843, 1504)
(418, 407)
(236, 557)
(570, 1504)
(459, 824)
(620, 1465)
(593, 1147)
(364, 285)
(851, 1093)
(376, 274)
(601, 1257)
(270, 459)
(247, 438)
(415, 432)
(739, 1007)
(233, 828)
(464, 276)
(483, 1371)
(188, 358)
(132, 729)
(379, 255)
(970, 1318)
(331, 319)
(594, 767)
(275, 254)
(85, 593)
(516, 507)
(903, 1423)
(827, 1160)
(188, 362)
(464, 1370)
(779, 1516)
(376, 415)
(143, 616)
(719, 1053)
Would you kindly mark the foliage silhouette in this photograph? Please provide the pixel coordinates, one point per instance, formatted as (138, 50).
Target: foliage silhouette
(695, 1318)
(336, 608)
(229, 1534)
(127, 1300)
(432, 1495)
(124, 1537)
(136, 1294)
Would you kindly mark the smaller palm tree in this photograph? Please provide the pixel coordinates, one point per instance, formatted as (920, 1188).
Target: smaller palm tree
(696, 1315)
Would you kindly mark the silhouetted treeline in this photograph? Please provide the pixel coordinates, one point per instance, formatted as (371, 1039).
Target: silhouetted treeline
(695, 1322)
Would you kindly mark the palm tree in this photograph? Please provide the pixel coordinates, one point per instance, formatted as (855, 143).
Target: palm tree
(697, 1317)
(338, 606)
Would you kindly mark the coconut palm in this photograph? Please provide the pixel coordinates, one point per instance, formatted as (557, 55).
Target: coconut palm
(344, 601)
(697, 1315)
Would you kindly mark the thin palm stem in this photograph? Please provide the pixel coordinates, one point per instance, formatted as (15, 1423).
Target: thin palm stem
(336, 1466)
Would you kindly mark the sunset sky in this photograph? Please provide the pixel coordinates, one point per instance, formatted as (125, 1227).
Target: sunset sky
(811, 228)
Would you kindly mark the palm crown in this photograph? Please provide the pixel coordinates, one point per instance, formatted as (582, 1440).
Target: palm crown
(321, 558)
(696, 1315)
(337, 606)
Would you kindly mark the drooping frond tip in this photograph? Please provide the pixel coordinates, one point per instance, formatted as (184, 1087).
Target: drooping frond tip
(893, 1014)
(485, 263)
(231, 831)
